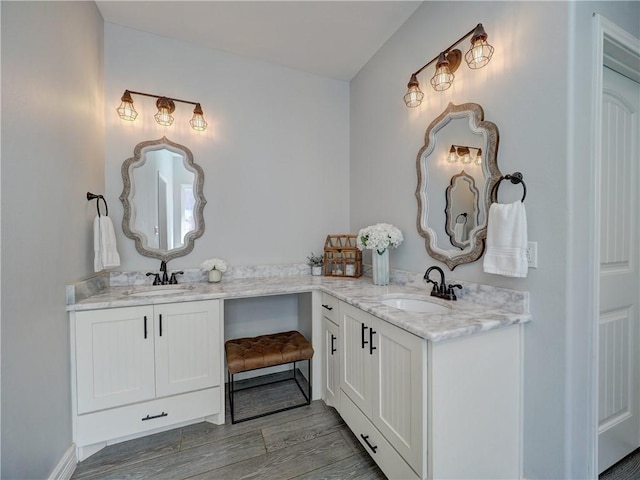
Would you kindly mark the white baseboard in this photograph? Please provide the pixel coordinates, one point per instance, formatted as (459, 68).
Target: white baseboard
(66, 466)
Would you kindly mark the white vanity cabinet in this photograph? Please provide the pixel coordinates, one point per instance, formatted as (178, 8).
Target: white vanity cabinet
(439, 410)
(331, 351)
(382, 377)
(140, 368)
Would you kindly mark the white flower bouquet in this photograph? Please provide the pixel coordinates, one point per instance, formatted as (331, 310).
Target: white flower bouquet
(379, 237)
(214, 264)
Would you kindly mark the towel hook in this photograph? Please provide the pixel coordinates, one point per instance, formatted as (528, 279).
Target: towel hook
(93, 196)
(514, 178)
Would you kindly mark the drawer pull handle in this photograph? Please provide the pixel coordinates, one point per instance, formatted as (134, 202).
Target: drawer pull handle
(364, 327)
(372, 332)
(366, 440)
(160, 323)
(333, 347)
(151, 417)
(145, 326)
(327, 307)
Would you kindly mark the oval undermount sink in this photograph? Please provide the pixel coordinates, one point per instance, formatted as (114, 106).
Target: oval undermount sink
(158, 292)
(414, 305)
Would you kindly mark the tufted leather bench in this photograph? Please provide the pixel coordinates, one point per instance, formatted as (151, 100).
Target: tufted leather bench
(252, 353)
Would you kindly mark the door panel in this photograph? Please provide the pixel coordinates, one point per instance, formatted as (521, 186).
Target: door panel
(114, 362)
(619, 369)
(187, 346)
(356, 369)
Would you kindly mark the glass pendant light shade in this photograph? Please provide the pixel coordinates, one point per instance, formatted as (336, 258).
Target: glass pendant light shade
(126, 110)
(443, 76)
(452, 157)
(165, 108)
(480, 52)
(414, 95)
(198, 122)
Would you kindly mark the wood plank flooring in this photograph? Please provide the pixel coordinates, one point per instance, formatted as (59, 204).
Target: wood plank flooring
(626, 469)
(310, 442)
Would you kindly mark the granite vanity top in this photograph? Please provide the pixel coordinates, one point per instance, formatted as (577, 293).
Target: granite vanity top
(467, 316)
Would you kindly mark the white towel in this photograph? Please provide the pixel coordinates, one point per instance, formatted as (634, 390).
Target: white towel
(507, 240)
(104, 244)
(458, 232)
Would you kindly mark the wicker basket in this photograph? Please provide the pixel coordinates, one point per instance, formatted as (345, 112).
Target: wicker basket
(341, 256)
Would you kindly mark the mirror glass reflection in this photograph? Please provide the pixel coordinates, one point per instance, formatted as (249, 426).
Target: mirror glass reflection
(462, 212)
(163, 199)
(449, 186)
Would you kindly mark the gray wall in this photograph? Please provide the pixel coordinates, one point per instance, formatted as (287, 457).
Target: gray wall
(537, 91)
(275, 155)
(52, 153)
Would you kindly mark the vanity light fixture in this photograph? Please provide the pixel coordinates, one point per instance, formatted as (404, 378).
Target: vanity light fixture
(463, 153)
(448, 61)
(166, 106)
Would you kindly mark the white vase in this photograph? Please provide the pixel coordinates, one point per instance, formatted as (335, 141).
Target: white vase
(380, 267)
(316, 270)
(215, 276)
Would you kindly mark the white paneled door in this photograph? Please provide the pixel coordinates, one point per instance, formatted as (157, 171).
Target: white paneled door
(619, 332)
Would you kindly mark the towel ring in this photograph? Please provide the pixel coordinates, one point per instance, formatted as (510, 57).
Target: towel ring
(93, 196)
(464, 214)
(514, 178)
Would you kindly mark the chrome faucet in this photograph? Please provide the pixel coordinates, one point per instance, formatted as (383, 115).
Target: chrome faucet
(441, 290)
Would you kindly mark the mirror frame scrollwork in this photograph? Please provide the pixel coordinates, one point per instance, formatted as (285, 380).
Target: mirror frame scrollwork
(475, 114)
(138, 160)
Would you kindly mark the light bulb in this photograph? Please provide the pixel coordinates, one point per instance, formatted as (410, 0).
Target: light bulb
(414, 95)
(478, 160)
(452, 157)
(480, 52)
(165, 109)
(443, 76)
(126, 110)
(198, 122)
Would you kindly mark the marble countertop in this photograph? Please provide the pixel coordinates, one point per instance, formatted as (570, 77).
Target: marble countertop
(466, 317)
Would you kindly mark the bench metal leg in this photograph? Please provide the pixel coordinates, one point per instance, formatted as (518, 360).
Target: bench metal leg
(233, 390)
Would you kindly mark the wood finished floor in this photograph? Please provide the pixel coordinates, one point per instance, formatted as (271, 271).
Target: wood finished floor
(626, 469)
(310, 442)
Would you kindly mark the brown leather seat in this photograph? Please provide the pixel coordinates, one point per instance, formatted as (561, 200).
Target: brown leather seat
(266, 351)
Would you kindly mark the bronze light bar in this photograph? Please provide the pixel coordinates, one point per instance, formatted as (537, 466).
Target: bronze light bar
(166, 106)
(478, 56)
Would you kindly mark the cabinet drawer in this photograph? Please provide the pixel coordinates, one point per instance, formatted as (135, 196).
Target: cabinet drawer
(389, 461)
(330, 308)
(128, 420)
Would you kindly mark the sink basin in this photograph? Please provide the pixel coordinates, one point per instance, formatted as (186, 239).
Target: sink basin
(158, 292)
(414, 305)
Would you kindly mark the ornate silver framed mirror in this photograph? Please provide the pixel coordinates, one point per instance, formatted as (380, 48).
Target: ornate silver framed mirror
(163, 199)
(457, 162)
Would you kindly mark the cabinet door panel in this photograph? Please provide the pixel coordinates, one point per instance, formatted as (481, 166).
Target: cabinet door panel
(398, 395)
(188, 347)
(356, 368)
(331, 371)
(114, 360)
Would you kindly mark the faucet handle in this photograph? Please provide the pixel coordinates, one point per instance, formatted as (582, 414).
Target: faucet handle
(174, 280)
(450, 291)
(156, 278)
